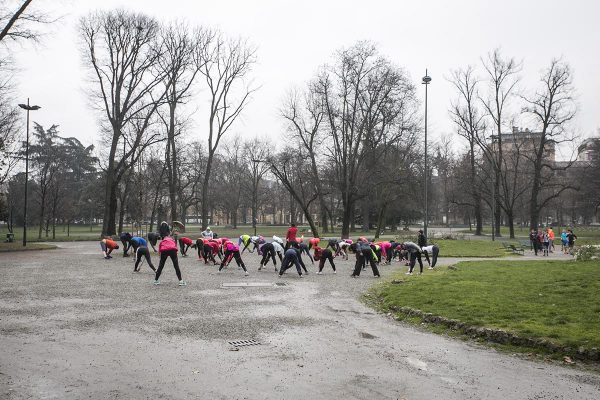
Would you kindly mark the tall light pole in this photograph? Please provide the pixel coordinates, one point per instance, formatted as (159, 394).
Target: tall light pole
(426, 80)
(494, 137)
(28, 108)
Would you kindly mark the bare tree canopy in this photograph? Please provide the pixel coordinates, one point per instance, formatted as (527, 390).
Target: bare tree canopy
(18, 20)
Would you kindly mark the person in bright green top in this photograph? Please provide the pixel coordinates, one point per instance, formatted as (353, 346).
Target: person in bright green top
(244, 239)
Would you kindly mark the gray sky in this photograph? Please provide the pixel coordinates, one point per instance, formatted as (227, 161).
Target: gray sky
(295, 37)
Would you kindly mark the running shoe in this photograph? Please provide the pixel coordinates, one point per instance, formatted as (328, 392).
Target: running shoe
(182, 283)
(246, 273)
(157, 282)
(319, 273)
(430, 268)
(408, 273)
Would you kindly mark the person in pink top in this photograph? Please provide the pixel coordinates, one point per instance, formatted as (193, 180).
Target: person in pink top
(290, 236)
(168, 248)
(232, 250)
(385, 250)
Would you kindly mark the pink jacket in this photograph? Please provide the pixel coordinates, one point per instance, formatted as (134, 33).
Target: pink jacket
(167, 244)
(230, 246)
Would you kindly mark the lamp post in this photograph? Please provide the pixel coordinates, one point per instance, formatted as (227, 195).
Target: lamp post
(494, 137)
(426, 81)
(28, 108)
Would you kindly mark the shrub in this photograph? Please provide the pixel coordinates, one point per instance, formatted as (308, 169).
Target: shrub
(587, 253)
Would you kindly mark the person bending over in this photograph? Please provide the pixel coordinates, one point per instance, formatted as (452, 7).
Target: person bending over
(168, 249)
(434, 250)
(125, 237)
(142, 251)
(323, 255)
(290, 257)
(153, 239)
(184, 244)
(108, 245)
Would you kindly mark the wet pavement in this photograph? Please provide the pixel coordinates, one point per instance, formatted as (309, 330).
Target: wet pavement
(74, 326)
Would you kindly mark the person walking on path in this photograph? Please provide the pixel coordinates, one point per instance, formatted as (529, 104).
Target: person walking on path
(415, 255)
(108, 245)
(571, 238)
(564, 240)
(534, 241)
(434, 250)
(168, 249)
(364, 254)
(323, 255)
(546, 243)
(142, 251)
(551, 237)
(290, 236)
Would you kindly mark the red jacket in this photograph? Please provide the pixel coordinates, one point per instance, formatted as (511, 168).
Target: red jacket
(187, 241)
(291, 233)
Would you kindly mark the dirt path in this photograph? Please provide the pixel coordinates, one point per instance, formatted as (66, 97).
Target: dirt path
(76, 326)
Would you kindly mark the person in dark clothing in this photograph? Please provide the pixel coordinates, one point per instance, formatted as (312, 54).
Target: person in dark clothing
(290, 256)
(533, 239)
(421, 239)
(142, 251)
(164, 230)
(168, 249)
(268, 251)
(153, 239)
(414, 252)
(304, 249)
(364, 254)
(125, 237)
(434, 251)
(571, 237)
(323, 255)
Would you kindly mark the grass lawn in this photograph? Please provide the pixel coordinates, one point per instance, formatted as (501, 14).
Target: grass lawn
(470, 248)
(555, 300)
(18, 246)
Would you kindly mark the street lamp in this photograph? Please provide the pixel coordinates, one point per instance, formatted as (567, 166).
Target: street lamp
(494, 138)
(28, 108)
(426, 81)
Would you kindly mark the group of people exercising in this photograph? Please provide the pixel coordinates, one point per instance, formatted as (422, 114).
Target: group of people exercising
(210, 247)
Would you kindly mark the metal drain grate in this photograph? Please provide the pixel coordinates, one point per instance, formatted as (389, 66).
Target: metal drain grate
(251, 284)
(280, 284)
(241, 343)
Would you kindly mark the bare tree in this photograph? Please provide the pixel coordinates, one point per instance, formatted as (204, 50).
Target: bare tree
(17, 21)
(256, 155)
(365, 99)
(122, 51)
(551, 108)
(502, 78)
(225, 65)
(469, 122)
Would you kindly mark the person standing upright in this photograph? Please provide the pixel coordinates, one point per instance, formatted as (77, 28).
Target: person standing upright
(421, 239)
(290, 236)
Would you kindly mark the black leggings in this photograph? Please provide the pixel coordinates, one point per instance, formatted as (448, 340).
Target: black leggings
(326, 255)
(268, 251)
(207, 254)
(287, 263)
(233, 254)
(143, 251)
(415, 256)
(183, 248)
(362, 257)
(435, 251)
(163, 258)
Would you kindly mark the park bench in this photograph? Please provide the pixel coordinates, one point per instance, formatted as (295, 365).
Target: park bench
(517, 249)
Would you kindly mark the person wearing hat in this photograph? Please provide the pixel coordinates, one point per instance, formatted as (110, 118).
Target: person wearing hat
(207, 234)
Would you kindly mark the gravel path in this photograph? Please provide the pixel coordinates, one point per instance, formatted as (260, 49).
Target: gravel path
(76, 326)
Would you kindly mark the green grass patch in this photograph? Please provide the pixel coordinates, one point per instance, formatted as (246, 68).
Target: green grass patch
(554, 300)
(18, 246)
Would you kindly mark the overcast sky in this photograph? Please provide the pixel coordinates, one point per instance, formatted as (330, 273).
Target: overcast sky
(295, 37)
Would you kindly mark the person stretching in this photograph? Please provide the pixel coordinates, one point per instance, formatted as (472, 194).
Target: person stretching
(125, 237)
(233, 251)
(323, 255)
(305, 249)
(434, 250)
(415, 254)
(291, 256)
(184, 245)
(313, 242)
(136, 242)
(268, 251)
(153, 239)
(364, 254)
(142, 251)
(108, 245)
(168, 249)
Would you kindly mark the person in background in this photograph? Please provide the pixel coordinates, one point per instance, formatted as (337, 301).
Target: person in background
(564, 240)
(278, 240)
(168, 249)
(421, 239)
(571, 238)
(551, 236)
(207, 233)
(533, 240)
(125, 237)
(184, 245)
(545, 243)
(313, 242)
(290, 236)
(153, 239)
(164, 230)
(108, 245)
(364, 254)
(415, 255)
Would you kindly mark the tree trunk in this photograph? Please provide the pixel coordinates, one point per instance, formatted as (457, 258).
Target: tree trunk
(205, 189)
(172, 158)
(366, 213)
(510, 218)
(110, 204)
(346, 218)
(380, 220)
